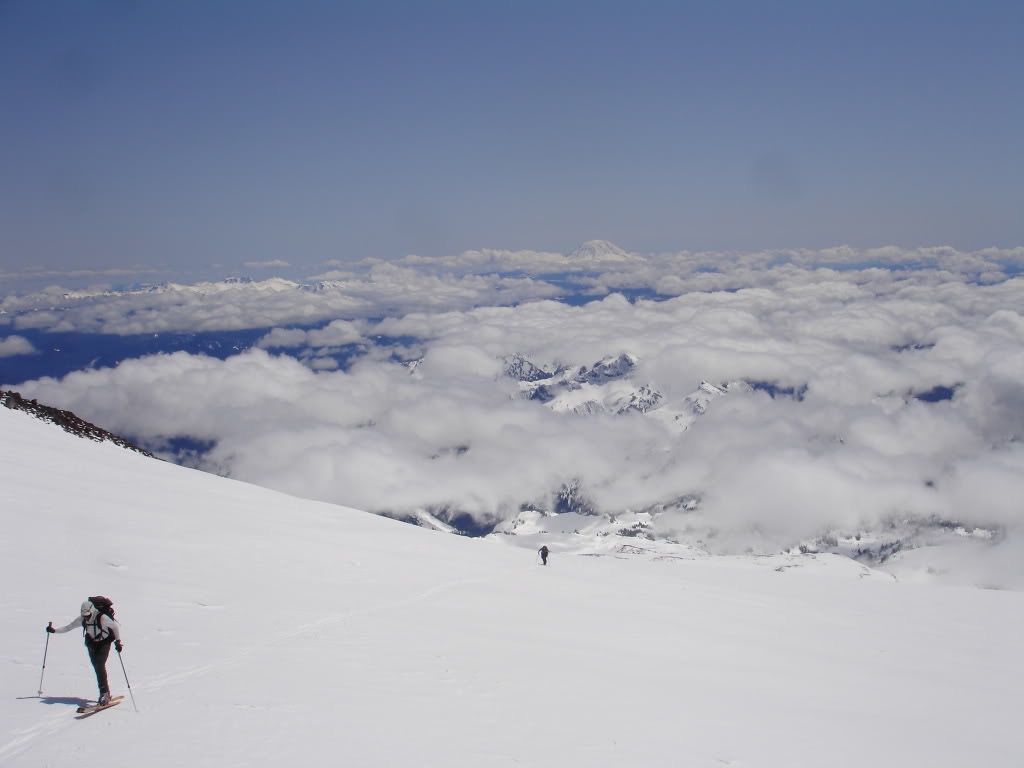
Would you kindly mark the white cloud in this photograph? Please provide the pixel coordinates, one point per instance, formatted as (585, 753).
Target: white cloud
(272, 264)
(495, 260)
(284, 337)
(857, 450)
(474, 278)
(337, 333)
(238, 305)
(16, 345)
(322, 363)
(117, 273)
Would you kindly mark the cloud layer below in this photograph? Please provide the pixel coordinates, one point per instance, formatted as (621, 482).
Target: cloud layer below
(864, 446)
(373, 288)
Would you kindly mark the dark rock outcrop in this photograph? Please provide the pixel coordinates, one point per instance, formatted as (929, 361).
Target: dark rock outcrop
(66, 420)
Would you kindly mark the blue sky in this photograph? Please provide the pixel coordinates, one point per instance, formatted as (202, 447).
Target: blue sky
(185, 134)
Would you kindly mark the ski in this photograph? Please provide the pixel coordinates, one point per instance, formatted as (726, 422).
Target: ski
(92, 709)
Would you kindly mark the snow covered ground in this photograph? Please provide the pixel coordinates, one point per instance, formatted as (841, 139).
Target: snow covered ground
(265, 630)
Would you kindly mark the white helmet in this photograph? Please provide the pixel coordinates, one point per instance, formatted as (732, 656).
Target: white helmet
(88, 609)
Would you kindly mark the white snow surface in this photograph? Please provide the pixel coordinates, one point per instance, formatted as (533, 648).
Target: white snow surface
(266, 630)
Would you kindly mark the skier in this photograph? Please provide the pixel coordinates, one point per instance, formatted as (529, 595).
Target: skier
(543, 554)
(99, 630)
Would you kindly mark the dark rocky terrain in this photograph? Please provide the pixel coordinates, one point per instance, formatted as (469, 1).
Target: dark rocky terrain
(66, 420)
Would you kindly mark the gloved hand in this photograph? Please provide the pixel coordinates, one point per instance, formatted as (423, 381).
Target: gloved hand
(49, 628)
(118, 646)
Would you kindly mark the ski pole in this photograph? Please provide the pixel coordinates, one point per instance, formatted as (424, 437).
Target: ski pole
(126, 681)
(45, 651)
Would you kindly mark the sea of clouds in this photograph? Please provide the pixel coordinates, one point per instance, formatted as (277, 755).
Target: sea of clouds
(859, 334)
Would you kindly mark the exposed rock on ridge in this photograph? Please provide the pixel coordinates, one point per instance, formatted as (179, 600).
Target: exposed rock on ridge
(66, 420)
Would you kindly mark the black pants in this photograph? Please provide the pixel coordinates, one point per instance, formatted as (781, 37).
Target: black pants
(98, 653)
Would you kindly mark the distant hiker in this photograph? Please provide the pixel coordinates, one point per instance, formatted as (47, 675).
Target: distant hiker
(99, 629)
(543, 555)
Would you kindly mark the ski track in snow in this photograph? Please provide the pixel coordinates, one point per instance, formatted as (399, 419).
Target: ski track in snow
(25, 738)
(268, 646)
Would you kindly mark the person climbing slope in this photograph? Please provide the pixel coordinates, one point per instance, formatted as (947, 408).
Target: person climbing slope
(99, 630)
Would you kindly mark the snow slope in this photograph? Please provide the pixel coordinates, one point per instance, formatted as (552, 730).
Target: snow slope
(263, 630)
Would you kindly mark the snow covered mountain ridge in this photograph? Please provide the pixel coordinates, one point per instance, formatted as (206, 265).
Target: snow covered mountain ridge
(608, 386)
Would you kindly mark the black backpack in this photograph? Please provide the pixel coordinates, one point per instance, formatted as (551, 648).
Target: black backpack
(103, 604)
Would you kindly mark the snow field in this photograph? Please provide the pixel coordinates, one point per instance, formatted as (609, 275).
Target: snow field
(263, 630)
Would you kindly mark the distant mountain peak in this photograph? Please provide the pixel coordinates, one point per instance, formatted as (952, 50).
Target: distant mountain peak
(521, 369)
(608, 368)
(599, 250)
